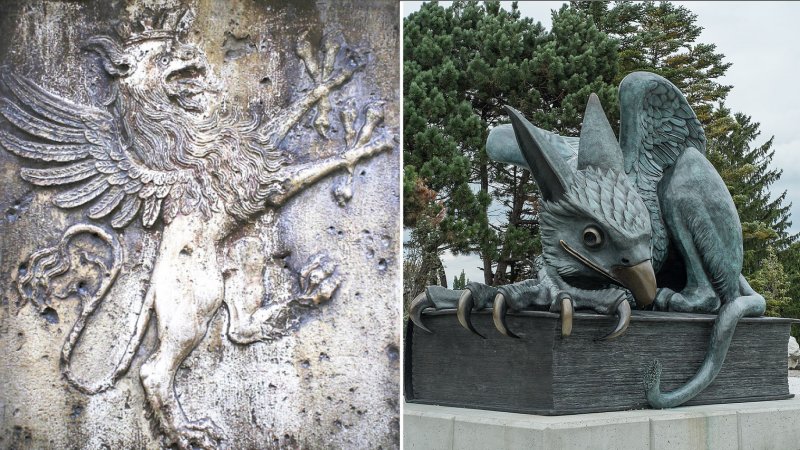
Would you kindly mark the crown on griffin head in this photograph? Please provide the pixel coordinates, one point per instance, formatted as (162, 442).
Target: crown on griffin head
(150, 25)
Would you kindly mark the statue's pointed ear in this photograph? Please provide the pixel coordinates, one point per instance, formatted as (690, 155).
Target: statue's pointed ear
(115, 60)
(548, 167)
(598, 146)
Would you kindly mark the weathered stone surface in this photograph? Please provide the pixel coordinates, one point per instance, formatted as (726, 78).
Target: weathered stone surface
(305, 351)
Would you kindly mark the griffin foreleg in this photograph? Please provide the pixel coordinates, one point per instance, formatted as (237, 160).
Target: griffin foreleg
(300, 176)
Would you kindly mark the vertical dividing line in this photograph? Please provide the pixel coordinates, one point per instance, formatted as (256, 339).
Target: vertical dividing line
(399, 290)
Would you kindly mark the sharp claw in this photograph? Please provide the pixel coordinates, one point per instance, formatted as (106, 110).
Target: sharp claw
(499, 311)
(624, 314)
(566, 316)
(465, 304)
(415, 310)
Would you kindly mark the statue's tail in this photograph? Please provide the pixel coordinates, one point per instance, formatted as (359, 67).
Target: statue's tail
(749, 304)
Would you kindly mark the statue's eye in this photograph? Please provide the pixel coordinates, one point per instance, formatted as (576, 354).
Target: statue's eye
(163, 60)
(592, 237)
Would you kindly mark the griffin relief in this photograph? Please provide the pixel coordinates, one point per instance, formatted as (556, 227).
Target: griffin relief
(168, 150)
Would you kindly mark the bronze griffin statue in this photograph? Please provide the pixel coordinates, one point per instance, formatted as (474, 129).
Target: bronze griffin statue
(645, 222)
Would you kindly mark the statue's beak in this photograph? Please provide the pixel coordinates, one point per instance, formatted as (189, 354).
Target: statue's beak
(640, 279)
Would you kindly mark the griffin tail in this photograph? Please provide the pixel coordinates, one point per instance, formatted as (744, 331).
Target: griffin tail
(749, 304)
(34, 287)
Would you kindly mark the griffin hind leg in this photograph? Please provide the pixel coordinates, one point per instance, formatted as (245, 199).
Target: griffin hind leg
(704, 227)
(187, 289)
(177, 339)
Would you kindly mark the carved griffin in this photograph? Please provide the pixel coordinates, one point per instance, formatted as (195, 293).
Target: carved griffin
(642, 222)
(167, 149)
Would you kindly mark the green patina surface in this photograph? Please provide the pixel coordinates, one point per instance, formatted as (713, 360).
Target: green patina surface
(641, 222)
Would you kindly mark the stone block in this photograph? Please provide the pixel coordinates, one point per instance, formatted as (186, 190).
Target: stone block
(545, 373)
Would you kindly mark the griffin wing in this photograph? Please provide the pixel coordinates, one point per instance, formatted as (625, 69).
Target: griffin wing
(78, 149)
(501, 145)
(657, 125)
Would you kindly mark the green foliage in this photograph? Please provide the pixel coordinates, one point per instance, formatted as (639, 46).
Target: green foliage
(745, 169)
(661, 38)
(772, 282)
(460, 282)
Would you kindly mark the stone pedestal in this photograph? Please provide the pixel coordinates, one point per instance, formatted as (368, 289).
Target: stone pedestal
(756, 425)
(544, 373)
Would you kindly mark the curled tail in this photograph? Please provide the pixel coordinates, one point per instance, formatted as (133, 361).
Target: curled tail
(34, 286)
(749, 304)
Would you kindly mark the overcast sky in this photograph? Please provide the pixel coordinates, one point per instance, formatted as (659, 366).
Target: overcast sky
(762, 40)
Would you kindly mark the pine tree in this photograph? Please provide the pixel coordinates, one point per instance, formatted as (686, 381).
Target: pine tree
(460, 282)
(661, 38)
(745, 170)
(772, 282)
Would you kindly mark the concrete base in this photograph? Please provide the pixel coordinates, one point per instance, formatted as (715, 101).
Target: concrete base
(755, 425)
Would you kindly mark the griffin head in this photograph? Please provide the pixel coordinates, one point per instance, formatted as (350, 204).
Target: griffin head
(600, 233)
(595, 227)
(151, 58)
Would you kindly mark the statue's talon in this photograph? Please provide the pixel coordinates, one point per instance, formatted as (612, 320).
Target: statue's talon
(566, 316)
(624, 319)
(465, 305)
(420, 303)
(499, 311)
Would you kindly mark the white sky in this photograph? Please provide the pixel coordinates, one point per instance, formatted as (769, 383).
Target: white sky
(762, 40)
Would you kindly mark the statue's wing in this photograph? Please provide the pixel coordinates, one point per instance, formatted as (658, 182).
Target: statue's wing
(77, 148)
(657, 125)
(501, 146)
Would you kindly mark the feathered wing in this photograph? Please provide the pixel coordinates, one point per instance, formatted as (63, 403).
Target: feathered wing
(657, 125)
(78, 149)
(501, 145)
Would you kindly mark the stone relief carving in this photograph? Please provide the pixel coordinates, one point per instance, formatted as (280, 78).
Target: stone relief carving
(166, 147)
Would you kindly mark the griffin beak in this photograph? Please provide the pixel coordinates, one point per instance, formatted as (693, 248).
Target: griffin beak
(640, 279)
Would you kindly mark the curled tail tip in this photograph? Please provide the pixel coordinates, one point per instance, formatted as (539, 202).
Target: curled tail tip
(652, 378)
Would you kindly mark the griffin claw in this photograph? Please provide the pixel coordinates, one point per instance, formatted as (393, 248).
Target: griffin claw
(419, 303)
(499, 311)
(465, 305)
(566, 316)
(624, 315)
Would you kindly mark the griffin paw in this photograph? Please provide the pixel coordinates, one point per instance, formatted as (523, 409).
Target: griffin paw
(202, 434)
(260, 327)
(434, 297)
(318, 281)
(663, 299)
(476, 296)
